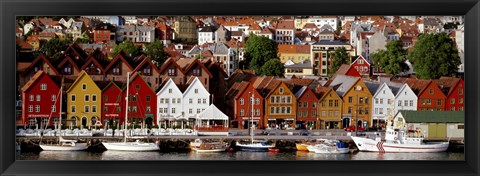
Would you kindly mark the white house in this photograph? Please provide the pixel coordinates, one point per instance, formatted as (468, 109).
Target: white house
(405, 98)
(195, 99)
(285, 32)
(169, 103)
(145, 34)
(324, 20)
(206, 35)
(382, 104)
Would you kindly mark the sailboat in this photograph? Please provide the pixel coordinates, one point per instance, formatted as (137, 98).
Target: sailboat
(63, 144)
(130, 146)
(254, 145)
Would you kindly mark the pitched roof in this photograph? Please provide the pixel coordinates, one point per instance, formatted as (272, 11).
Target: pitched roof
(146, 61)
(304, 49)
(239, 76)
(447, 84)
(418, 86)
(372, 86)
(32, 80)
(170, 60)
(69, 60)
(42, 57)
(433, 116)
(346, 69)
(286, 24)
(320, 91)
(341, 84)
(117, 58)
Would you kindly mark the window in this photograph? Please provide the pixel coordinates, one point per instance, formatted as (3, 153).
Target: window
(381, 110)
(196, 90)
(161, 100)
(196, 72)
(37, 108)
(118, 109)
(94, 98)
(173, 111)
(174, 100)
(405, 102)
(87, 108)
(330, 113)
(330, 103)
(376, 100)
(349, 110)
(242, 112)
(305, 113)
(381, 100)
(360, 100)
(190, 111)
(137, 86)
(305, 104)
(38, 97)
(204, 101)
(324, 113)
(289, 110)
(43, 86)
(105, 98)
(199, 101)
(366, 100)
(257, 112)
(289, 99)
(350, 99)
(460, 127)
(300, 104)
(272, 110)
(167, 100)
(94, 108)
(460, 91)
(169, 90)
(277, 110)
(257, 101)
(84, 86)
(460, 100)
(148, 98)
(190, 101)
(439, 102)
(452, 101)
(336, 103)
(399, 102)
(171, 72)
(272, 99)
(431, 91)
(31, 97)
(198, 111)
(452, 108)
(105, 109)
(87, 98)
(73, 109)
(411, 102)
(277, 99)
(280, 90)
(314, 113)
(54, 97)
(376, 110)
(366, 110)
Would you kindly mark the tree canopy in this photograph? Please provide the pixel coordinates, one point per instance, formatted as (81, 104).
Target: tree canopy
(129, 48)
(391, 60)
(339, 57)
(434, 55)
(156, 52)
(53, 48)
(259, 50)
(273, 67)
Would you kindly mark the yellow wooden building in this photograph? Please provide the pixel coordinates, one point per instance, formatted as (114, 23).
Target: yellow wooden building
(280, 105)
(295, 53)
(357, 100)
(329, 108)
(83, 102)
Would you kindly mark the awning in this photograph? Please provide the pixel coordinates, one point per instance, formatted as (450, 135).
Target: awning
(212, 113)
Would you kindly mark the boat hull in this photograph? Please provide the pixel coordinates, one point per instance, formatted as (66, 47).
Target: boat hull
(301, 147)
(76, 147)
(209, 150)
(257, 147)
(370, 145)
(131, 146)
(329, 150)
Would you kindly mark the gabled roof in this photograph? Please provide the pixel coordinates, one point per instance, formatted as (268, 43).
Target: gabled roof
(360, 57)
(117, 58)
(169, 61)
(418, 86)
(301, 92)
(195, 81)
(69, 60)
(145, 61)
(321, 91)
(95, 62)
(212, 112)
(240, 75)
(433, 116)
(286, 24)
(341, 84)
(237, 89)
(80, 76)
(32, 80)
(169, 82)
(195, 62)
(39, 58)
(346, 70)
(447, 84)
(273, 85)
(136, 75)
(374, 87)
(117, 84)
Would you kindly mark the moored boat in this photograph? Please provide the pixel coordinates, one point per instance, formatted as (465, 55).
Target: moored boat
(210, 147)
(329, 147)
(255, 145)
(397, 139)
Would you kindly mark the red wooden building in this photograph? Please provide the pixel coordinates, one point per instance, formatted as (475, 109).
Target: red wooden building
(430, 97)
(112, 103)
(243, 92)
(306, 107)
(453, 88)
(41, 100)
(142, 102)
(361, 65)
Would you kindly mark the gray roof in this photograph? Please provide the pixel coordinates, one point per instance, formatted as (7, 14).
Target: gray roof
(326, 31)
(145, 28)
(342, 83)
(126, 28)
(77, 24)
(195, 50)
(330, 42)
(219, 48)
(300, 92)
(431, 21)
(395, 87)
(372, 87)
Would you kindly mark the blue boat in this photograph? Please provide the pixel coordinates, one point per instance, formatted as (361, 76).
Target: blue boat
(255, 146)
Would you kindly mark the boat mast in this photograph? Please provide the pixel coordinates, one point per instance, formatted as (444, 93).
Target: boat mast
(126, 110)
(251, 112)
(60, 114)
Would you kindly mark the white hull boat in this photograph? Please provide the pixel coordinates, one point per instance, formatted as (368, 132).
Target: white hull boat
(259, 146)
(75, 147)
(371, 145)
(333, 147)
(131, 146)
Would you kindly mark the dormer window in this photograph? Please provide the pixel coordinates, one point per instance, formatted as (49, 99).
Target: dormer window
(67, 70)
(171, 72)
(281, 90)
(147, 72)
(116, 71)
(196, 72)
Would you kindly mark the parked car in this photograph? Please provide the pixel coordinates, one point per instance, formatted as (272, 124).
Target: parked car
(304, 133)
(352, 128)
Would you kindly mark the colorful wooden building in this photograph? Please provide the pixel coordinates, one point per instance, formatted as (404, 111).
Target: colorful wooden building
(307, 108)
(83, 102)
(112, 103)
(329, 108)
(41, 101)
(142, 102)
(430, 97)
(453, 88)
(280, 105)
(242, 93)
(361, 65)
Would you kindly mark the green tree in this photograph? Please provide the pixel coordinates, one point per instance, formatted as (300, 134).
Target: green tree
(434, 55)
(391, 60)
(339, 57)
(129, 48)
(84, 38)
(53, 48)
(156, 52)
(273, 67)
(259, 50)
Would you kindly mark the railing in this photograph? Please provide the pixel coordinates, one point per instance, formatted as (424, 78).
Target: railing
(213, 128)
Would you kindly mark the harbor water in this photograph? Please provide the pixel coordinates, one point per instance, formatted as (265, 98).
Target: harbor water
(239, 155)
